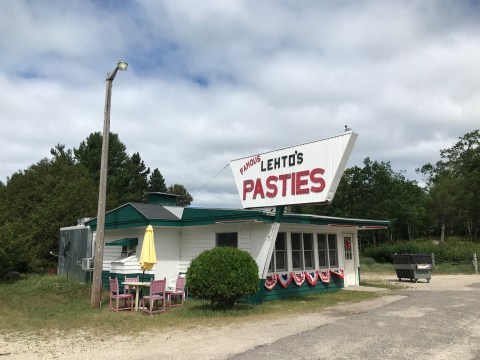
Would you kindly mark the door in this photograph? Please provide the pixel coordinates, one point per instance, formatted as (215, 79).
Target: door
(350, 275)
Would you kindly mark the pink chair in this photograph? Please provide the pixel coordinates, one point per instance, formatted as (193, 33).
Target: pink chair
(157, 294)
(178, 294)
(117, 296)
(126, 288)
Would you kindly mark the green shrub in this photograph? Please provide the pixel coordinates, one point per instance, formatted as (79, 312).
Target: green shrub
(454, 251)
(367, 261)
(222, 275)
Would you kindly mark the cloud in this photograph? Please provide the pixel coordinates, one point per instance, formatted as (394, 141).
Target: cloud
(223, 80)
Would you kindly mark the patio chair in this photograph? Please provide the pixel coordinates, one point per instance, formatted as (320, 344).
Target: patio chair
(126, 288)
(157, 294)
(178, 293)
(117, 296)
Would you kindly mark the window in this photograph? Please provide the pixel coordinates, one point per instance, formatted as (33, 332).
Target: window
(332, 250)
(308, 254)
(322, 250)
(327, 250)
(347, 240)
(297, 258)
(279, 257)
(128, 250)
(227, 239)
(302, 251)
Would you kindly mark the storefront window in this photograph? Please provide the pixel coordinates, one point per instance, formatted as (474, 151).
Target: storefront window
(297, 256)
(303, 257)
(278, 262)
(327, 250)
(308, 253)
(332, 250)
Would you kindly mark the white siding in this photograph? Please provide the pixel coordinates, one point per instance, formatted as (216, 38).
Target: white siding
(196, 239)
(128, 265)
(176, 247)
(113, 253)
(167, 249)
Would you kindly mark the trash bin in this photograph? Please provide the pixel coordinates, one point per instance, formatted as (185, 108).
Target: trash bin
(413, 266)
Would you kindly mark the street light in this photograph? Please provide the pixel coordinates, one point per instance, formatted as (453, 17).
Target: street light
(102, 192)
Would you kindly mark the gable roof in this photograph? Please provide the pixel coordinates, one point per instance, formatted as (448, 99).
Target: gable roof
(142, 215)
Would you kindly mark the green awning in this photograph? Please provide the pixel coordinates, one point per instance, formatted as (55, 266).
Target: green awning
(122, 242)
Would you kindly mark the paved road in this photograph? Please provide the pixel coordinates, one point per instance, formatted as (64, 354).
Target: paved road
(421, 324)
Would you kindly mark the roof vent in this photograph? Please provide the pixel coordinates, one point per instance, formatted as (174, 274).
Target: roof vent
(159, 198)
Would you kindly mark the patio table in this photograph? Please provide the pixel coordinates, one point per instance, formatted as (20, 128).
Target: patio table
(138, 285)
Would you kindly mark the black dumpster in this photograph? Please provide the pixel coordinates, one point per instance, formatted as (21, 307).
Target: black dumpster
(413, 266)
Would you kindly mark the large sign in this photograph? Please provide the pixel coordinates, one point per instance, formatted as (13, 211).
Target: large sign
(302, 174)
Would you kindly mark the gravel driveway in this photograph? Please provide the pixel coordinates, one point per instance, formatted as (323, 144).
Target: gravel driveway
(343, 328)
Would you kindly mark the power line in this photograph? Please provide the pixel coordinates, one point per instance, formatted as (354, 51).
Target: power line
(209, 181)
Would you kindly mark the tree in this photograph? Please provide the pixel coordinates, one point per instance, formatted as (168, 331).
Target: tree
(184, 197)
(89, 154)
(127, 176)
(375, 191)
(132, 180)
(50, 194)
(445, 198)
(156, 183)
(456, 180)
(54, 192)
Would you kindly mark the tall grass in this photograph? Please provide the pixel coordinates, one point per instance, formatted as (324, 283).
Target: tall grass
(53, 305)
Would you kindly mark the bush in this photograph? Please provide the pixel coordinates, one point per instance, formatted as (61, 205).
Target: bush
(451, 251)
(222, 275)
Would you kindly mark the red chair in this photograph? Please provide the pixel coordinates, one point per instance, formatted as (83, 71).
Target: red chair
(157, 294)
(117, 296)
(178, 293)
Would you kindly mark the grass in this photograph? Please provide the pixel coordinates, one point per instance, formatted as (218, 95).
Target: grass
(47, 305)
(382, 284)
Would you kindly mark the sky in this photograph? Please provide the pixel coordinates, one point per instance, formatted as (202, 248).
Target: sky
(213, 81)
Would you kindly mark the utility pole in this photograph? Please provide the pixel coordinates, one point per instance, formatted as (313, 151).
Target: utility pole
(102, 192)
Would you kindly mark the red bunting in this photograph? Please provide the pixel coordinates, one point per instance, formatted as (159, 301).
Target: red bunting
(324, 275)
(312, 277)
(299, 278)
(339, 273)
(271, 281)
(284, 279)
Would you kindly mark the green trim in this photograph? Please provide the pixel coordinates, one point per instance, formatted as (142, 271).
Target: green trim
(200, 216)
(127, 216)
(122, 242)
(332, 221)
(279, 210)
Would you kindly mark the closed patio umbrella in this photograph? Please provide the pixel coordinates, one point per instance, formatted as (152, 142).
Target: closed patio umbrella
(148, 258)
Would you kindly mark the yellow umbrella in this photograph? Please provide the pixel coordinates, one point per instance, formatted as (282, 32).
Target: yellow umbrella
(148, 258)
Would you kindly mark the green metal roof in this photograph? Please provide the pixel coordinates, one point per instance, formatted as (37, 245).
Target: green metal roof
(121, 242)
(334, 221)
(141, 215)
